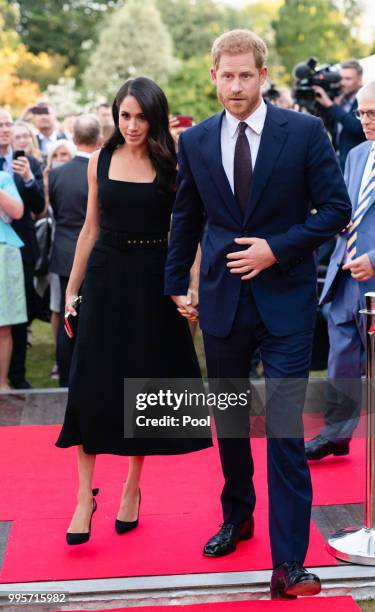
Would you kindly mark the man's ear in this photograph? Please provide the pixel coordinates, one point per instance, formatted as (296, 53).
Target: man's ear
(263, 72)
(213, 75)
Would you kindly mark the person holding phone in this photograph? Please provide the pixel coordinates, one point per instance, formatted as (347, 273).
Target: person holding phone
(24, 139)
(127, 327)
(45, 122)
(27, 174)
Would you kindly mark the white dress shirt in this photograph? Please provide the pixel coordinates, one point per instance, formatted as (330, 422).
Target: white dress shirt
(85, 154)
(229, 133)
(46, 141)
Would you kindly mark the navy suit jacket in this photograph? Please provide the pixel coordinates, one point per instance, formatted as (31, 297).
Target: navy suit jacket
(296, 170)
(351, 134)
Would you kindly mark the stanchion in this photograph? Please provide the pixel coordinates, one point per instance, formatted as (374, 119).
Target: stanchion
(353, 544)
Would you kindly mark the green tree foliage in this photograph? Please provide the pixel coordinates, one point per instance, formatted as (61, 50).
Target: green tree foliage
(9, 16)
(193, 24)
(306, 28)
(191, 92)
(259, 17)
(134, 42)
(61, 27)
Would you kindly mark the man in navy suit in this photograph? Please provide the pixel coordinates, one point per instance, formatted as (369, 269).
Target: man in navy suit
(252, 174)
(351, 274)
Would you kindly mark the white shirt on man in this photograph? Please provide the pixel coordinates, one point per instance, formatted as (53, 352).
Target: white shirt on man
(229, 133)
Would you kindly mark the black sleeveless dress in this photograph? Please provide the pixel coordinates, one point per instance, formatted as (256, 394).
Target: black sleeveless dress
(127, 327)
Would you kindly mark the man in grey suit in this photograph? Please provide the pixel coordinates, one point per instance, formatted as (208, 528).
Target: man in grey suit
(68, 191)
(350, 275)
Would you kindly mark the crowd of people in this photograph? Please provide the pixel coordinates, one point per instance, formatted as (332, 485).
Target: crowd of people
(260, 192)
(32, 148)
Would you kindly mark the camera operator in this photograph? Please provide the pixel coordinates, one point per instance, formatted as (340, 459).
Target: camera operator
(348, 131)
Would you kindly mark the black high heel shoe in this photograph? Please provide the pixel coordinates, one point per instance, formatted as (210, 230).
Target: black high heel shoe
(81, 538)
(125, 526)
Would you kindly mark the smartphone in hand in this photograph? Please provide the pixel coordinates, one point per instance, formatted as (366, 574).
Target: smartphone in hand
(71, 321)
(18, 153)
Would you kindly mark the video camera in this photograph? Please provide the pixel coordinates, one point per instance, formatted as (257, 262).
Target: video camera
(306, 75)
(271, 94)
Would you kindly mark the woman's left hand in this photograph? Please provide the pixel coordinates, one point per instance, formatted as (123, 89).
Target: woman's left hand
(185, 307)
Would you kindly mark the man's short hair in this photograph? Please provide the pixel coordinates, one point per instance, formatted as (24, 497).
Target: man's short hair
(103, 105)
(239, 41)
(367, 91)
(352, 64)
(86, 130)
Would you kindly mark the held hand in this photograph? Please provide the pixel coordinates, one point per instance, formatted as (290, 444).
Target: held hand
(185, 307)
(69, 301)
(253, 260)
(361, 268)
(22, 167)
(322, 96)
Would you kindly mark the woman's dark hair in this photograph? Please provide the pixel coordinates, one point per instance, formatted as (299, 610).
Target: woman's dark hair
(161, 146)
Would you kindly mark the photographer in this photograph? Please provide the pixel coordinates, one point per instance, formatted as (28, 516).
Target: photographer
(348, 131)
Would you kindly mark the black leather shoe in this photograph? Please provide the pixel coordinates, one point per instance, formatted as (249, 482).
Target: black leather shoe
(319, 447)
(224, 542)
(81, 538)
(21, 384)
(291, 579)
(125, 526)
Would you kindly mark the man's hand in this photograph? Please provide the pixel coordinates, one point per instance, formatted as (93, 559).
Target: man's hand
(22, 167)
(253, 260)
(185, 306)
(322, 96)
(361, 268)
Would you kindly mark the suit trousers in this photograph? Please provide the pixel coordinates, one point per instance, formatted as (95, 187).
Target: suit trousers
(64, 344)
(286, 361)
(346, 328)
(17, 369)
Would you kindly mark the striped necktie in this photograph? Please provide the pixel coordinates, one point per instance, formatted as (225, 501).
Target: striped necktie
(364, 202)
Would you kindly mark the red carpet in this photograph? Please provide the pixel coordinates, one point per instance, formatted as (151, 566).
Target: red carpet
(180, 510)
(308, 604)
(30, 464)
(340, 480)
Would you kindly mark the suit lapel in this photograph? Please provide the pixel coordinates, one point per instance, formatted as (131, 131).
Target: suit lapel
(272, 141)
(211, 151)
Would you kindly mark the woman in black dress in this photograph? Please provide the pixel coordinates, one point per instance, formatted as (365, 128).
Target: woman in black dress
(127, 327)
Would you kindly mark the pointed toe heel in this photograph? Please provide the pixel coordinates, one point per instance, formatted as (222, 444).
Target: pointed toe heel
(122, 527)
(80, 538)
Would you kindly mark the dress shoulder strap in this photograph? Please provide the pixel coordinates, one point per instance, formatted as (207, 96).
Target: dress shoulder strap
(104, 161)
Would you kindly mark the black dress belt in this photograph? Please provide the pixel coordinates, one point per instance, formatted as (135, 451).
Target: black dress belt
(125, 240)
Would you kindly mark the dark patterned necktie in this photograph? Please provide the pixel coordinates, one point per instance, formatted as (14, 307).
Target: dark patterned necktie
(243, 169)
(2, 162)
